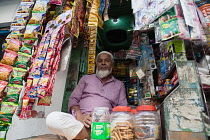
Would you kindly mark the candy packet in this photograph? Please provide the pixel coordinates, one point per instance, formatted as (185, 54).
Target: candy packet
(37, 18)
(9, 57)
(5, 71)
(14, 45)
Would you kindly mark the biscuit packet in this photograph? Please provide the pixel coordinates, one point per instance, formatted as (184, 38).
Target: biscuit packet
(14, 45)
(9, 57)
(5, 71)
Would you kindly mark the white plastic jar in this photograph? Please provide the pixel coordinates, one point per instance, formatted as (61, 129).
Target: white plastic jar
(147, 123)
(121, 123)
(100, 127)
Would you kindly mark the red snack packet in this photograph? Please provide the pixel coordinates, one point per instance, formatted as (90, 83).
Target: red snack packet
(3, 84)
(5, 71)
(57, 2)
(9, 57)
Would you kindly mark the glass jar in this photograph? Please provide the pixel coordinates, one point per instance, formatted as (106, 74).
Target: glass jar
(147, 123)
(100, 126)
(121, 123)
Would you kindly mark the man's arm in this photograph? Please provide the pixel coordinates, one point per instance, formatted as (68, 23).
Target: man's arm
(122, 98)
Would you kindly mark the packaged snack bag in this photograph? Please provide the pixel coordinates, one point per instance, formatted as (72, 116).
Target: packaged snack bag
(9, 57)
(5, 71)
(3, 84)
(14, 45)
(37, 18)
(57, 2)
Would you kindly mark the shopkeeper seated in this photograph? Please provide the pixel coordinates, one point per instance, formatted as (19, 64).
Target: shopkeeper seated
(95, 90)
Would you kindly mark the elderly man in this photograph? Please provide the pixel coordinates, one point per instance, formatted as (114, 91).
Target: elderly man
(95, 90)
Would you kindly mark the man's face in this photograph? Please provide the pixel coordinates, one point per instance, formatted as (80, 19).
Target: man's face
(104, 62)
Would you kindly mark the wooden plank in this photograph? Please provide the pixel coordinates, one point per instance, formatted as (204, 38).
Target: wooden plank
(181, 135)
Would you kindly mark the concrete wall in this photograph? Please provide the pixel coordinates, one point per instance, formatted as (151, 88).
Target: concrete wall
(36, 126)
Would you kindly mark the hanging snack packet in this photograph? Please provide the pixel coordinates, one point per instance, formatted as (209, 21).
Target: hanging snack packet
(9, 57)
(22, 60)
(3, 131)
(14, 98)
(32, 32)
(25, 7)
(18, 72)
(5, 119)
(40, 6)
(37, 18)
(16, 80)
(57, 2)
(13, 89)
(3, 85)
(8, 107)
(14, 45)
(26, 49)
(45, 101)
(20, 19)
(5, 71)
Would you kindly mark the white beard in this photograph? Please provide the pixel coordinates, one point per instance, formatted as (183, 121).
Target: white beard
(102, 74)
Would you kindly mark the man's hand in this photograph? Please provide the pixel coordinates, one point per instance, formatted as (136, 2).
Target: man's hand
(85, 119)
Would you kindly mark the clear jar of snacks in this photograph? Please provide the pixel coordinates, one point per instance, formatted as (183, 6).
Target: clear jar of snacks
(100, 126)
(121, 123)
(147, 123)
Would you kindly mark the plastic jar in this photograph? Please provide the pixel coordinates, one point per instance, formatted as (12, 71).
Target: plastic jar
(100, 126)
(121, 123)
(147, 123)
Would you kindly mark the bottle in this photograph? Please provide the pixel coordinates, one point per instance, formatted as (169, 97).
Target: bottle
(100, 126)
(121, 123)
(147, 123)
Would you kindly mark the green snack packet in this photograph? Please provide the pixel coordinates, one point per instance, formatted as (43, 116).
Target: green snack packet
(11, 98)
(27, 50)
(6, 118)
(13, 89)
(18, 72)
(8, 108)
(23, 57)
(16, 80)
(21, 64)
(3, 131)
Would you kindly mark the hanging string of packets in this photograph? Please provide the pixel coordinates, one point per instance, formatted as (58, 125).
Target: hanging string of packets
(43, 70)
